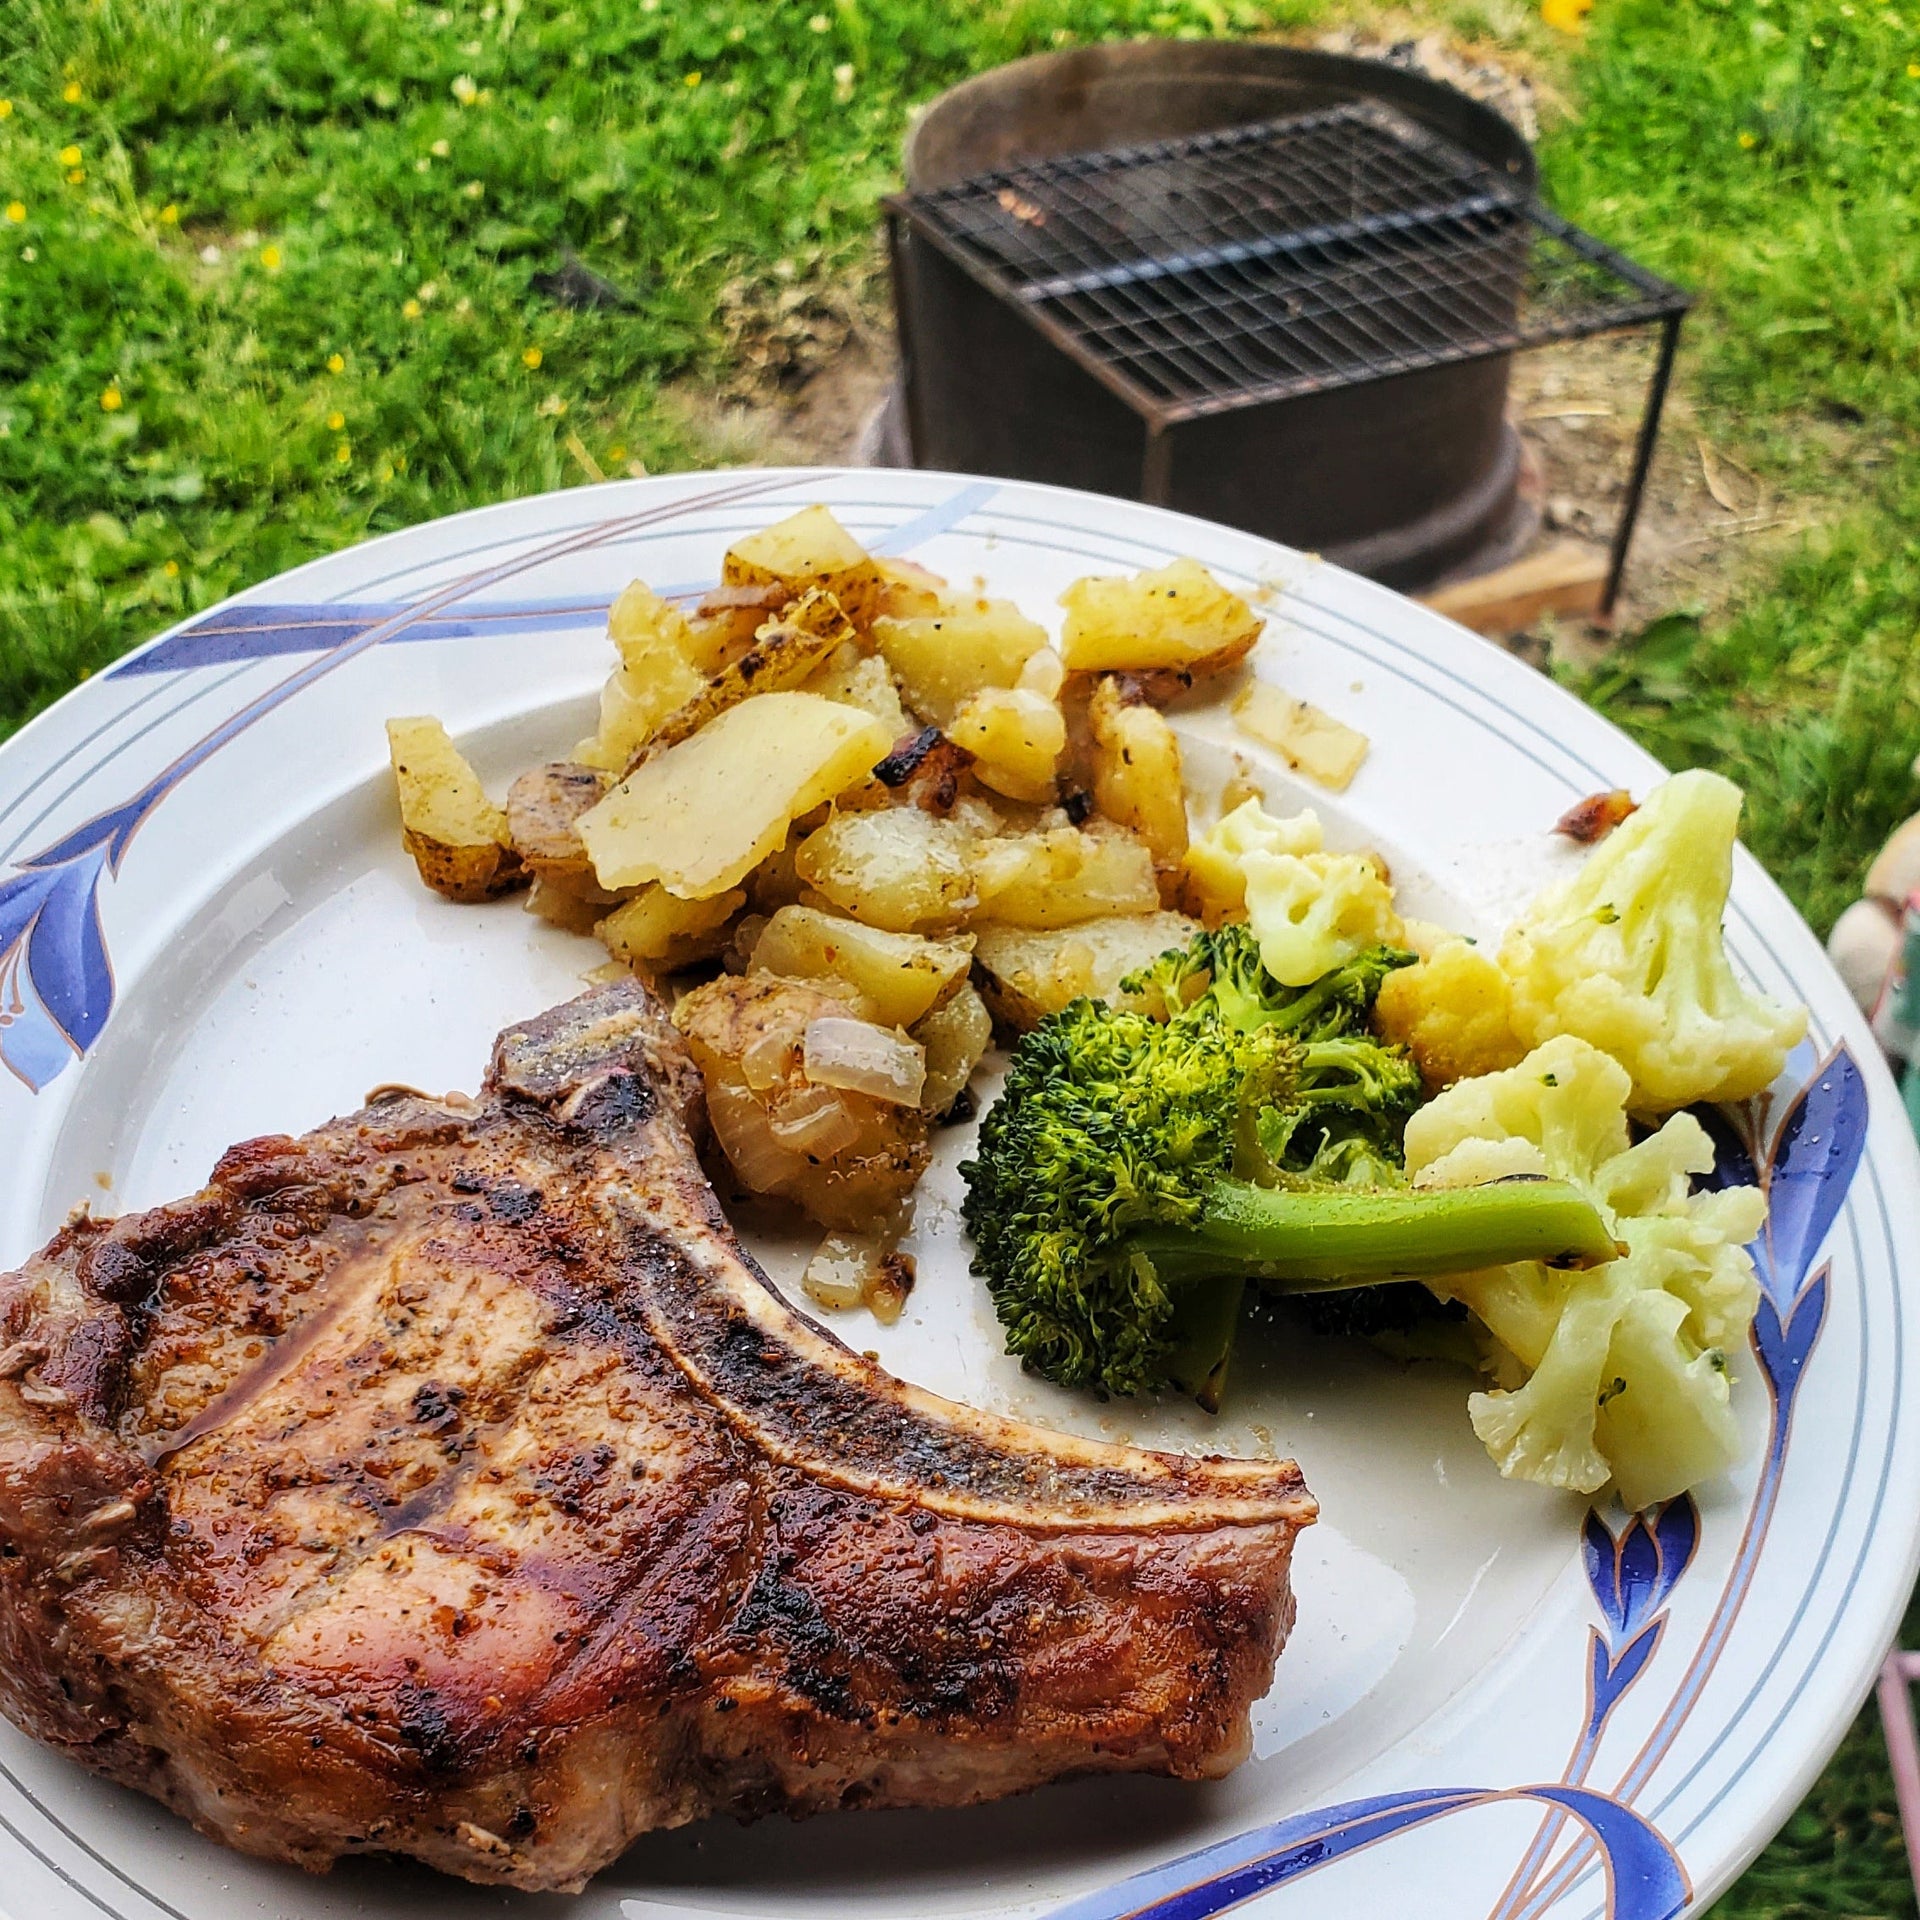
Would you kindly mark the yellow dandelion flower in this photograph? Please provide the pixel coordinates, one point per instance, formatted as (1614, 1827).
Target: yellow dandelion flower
(6, 109)
(412, 309)
(169, 215)
(615, 455)
(1746, 139)
(69, 156)
(689, 79)
(342, 454)
(336, 363)
(76, 176)
(531, 359)
(270, 258)
(335, 421)
(1568, 16)
(1913, 69)
(172, 569)
(16, 211)
(71, 93)
(111, 401)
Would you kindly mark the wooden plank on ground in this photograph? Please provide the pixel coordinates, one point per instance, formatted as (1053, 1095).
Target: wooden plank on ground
(1567, 577)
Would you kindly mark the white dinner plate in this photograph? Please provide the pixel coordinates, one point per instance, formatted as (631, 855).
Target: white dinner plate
(1497, 1704)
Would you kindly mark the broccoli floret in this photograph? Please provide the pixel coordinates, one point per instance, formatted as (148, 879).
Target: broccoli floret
(1137, 1172)
(1627, 954)
(1620, 1373)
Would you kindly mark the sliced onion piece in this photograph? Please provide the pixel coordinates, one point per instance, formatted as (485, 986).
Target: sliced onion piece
(767, 1059)
(815, 1121)
(839, 1274)
(741, 1125)
(859, 1057)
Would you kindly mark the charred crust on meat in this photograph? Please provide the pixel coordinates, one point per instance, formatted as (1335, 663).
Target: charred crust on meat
(611, 1105)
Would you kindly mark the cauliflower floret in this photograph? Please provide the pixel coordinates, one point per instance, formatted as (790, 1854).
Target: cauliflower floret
(1216, 880)
(1452, 1011)
(1619, 1372)
(1311, 911)
(1627, 954)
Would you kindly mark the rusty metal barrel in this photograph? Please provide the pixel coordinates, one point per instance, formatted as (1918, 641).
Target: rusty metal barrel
(1407, 478)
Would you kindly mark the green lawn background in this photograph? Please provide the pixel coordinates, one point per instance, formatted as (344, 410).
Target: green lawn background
(266, 287)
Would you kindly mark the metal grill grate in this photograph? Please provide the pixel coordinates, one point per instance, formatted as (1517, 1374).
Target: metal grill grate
(1289, 257)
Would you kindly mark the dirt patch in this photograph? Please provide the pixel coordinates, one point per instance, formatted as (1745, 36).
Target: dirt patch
(1704, 520)
(816, 422)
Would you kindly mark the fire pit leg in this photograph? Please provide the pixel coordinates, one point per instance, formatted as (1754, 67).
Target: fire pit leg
(1903, 1747)
(1642, 462)
(1156, 466)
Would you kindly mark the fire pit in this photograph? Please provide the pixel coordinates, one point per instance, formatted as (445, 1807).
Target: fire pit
(1294, 313)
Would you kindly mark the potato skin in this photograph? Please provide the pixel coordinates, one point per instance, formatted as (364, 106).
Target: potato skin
(807, 549)
(458, 838)
(468, 874)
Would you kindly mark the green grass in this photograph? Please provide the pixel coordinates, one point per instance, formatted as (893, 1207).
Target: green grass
(289, 302)
(1767, 153)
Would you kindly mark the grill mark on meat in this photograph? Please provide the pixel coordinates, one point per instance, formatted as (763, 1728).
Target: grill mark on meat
(502, 1510)
(356, 1270)
(791, 1392)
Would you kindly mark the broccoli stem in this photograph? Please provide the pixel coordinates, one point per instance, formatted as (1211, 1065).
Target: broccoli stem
(1318, 1239)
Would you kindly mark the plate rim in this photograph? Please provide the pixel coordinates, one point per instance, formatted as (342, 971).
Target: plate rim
(27, 740)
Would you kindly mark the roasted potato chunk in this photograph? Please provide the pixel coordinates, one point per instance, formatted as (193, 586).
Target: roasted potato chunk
(903, 976)
(807, 549)
(657, 933)
(1310, 740)
(784, 653)
(1136, 774)
(939, 659)
(843, 1156)
(1027, 975)
(898, 868)
(1061, 876)
(955, 1037)
(700, 816)
(457, 836)
(658, 672)
(862, 680)
(908, 589)
(1016, 738)
(1175, 618)
(544, 806)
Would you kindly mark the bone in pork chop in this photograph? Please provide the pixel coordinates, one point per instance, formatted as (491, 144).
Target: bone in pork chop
(449, 1483)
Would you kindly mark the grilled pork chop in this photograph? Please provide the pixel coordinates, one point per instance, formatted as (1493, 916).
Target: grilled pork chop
(449, 1483)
